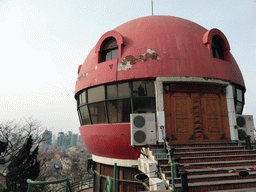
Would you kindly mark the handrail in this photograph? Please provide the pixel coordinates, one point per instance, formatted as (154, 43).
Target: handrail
(31, 183)
(84, 182)
(68, 187)
(108, 185)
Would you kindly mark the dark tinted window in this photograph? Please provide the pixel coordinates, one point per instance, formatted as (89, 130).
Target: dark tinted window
(119, 110)
(82, 97)
(84, 113)
(217, 47)
(144, 105)
(143, 88)
(124, 90)
(112, 91)
(109, 50)
(98, 113)
(96, 94)
(118, 103)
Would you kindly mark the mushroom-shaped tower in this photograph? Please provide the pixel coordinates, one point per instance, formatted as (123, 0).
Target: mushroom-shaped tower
(172, 67)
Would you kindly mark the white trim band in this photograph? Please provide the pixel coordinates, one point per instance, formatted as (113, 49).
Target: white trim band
(112, 161)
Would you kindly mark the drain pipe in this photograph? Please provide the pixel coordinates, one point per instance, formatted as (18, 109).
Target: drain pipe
(114, 185)
(172, 171)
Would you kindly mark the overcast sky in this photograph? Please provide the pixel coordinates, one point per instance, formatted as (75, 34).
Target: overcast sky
(42, 43)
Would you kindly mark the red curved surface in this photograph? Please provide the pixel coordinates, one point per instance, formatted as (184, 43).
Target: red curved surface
(109, 140)
(179, 44)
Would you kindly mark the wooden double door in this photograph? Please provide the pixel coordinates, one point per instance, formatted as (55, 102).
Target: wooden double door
(195, 117)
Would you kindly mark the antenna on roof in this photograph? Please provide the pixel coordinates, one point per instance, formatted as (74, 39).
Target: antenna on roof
(152, 7)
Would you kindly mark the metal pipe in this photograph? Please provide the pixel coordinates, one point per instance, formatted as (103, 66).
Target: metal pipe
(172, 171)
(176, 161)
(184, 181)
(114, 187)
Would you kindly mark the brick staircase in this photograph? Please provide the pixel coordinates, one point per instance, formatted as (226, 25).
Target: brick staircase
(211, 166)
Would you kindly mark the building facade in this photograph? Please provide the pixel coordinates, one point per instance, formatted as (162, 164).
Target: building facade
(172, 67)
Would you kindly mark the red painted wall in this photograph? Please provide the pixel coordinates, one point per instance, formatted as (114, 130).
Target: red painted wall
(109, 140)
(181, 45)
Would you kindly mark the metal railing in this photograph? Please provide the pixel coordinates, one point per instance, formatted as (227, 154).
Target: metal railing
(68, 187)
(35, 183)
(81, 184)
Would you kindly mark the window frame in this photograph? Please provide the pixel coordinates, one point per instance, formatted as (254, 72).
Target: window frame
(236, 101)
(110, 34)
(208, 39)
(106, 100)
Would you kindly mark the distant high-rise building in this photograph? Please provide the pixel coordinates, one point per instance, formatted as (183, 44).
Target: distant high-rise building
(47, 139)
(60, 139)
(74, 139)
(66, 140)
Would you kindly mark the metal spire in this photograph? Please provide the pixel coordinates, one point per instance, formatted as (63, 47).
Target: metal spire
(152, 7)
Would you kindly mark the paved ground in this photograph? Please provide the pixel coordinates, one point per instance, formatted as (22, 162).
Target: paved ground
(86, 190)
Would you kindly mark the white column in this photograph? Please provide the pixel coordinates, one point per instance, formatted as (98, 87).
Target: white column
(231, 113)
(160, 111)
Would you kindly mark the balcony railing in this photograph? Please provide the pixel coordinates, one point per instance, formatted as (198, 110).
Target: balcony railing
(68, 187)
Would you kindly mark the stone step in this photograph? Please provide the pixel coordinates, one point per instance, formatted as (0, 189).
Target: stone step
(160, 154)
(196, 145)
(219, 170)
(238, 190)
(211, 170)
(191, 149)
(219, 185)
(211, 166)
(189, 160)
(215, 177)
(217, 158)
(214, 164)
(199, 149)
(213, 153)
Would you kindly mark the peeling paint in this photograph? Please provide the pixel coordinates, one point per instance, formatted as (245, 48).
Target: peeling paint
(82, 76)
(128, 61)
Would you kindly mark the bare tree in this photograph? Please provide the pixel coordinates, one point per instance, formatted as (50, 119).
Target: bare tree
(15, 135)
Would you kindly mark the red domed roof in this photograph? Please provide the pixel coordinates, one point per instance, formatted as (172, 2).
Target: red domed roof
(155, 46)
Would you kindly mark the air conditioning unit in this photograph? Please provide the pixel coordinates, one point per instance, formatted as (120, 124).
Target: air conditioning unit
(150, 168)
(143, 129)
(141, 165)
(245, 126)
(156, 184)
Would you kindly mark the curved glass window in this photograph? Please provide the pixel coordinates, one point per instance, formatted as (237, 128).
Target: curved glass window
(98, 113)
(96, 94)
(114, 103)
(238, 100)
(119, 110)
(84, 115)
(143, 88)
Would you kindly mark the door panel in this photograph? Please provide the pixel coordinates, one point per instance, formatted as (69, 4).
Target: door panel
(196, 117)
(211, 112)
(180, 125)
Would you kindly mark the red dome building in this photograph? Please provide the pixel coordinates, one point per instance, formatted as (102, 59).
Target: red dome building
(172, 67)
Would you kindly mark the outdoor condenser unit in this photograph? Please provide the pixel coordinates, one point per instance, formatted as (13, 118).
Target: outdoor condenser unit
(143, 129)
(245, 126)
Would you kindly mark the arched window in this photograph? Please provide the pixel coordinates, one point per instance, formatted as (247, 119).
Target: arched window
(109, 49)
(217, 44)
(217, 47)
